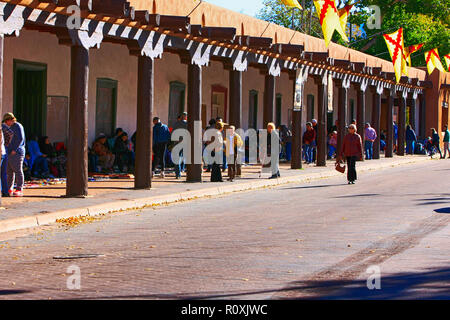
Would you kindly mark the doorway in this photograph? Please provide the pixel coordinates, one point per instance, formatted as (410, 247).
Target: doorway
(253, 110)
(30, 93)
(105, 113)
(176, 101)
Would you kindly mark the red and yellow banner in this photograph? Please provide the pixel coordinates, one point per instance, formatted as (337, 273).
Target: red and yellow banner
(395, 44)
(329, 19)
(410, 50)
(447, 61)
(292, 4)
(344, 13)
(433, 61)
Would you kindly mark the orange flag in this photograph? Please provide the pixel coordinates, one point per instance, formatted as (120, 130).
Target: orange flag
(329, 19)
(433, 61)
(410, 50)
(447, 61)
(394, 42)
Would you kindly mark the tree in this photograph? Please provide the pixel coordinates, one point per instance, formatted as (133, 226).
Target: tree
(423, 21)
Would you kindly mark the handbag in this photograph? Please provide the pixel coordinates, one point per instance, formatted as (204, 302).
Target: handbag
(340, 168)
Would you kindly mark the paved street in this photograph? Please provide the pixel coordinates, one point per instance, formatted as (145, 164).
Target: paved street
(312, 240)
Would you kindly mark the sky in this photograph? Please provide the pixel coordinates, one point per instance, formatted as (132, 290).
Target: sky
(250, 7)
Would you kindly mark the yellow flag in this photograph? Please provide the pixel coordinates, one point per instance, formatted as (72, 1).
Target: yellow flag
(329, 19)
(292, 4)
(344, 13)
(394, 42)
(410, 50)
(433, 61)
(447, 61)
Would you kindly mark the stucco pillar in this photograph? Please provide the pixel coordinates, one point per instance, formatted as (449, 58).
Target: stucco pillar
(389, 150)
(194, 109)
(235, 113)
(401, 123)
(269, 100)
(145, 96)
(77, 156)
(343, 87)
(376, 120)
(322, 120)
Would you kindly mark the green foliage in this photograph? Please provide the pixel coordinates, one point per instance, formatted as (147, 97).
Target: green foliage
(423, 21)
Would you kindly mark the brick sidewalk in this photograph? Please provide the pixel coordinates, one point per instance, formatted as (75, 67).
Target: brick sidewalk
(44, 205)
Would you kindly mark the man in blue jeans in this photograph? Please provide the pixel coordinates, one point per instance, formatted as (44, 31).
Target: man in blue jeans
(16, 155)
(161, 137)
(180, 124)
(370, 136)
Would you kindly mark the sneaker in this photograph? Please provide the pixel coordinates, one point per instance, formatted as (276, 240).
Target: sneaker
(10, 192)
(162, 174)
(18, 193)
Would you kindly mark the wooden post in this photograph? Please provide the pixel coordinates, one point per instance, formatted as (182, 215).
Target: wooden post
(2, 38)
(322, 121)
(342, 113)
(145, 96)
(376, 120)
(401, 124)
(269, 99)
(194, 109)
(389, 151)
(296, 160)
(235, 99)
(77, 156)
(412, 112)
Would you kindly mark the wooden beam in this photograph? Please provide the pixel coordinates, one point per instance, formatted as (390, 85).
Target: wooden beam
(219, 33)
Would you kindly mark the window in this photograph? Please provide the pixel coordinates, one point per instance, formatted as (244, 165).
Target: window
(176, 101)
(253, 110)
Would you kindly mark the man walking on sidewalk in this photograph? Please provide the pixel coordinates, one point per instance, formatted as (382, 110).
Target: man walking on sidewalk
(161, 137)
(370, 137)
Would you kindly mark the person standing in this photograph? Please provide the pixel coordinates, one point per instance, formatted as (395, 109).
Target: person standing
(161, 137)
(180, 124)
(446, 141)
(314, 145)
(16, 155)
(7, 135)
(435, 141)
(271, 152)
(308, 140)
(216, 174)
(232, 144)
(411, 139)
(352, 151)
(370, 137)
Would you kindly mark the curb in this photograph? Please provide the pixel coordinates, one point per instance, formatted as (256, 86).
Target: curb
(43, 219)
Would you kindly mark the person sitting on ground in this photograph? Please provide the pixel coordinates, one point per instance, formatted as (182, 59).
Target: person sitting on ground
(50, 152)
(332, 145)
(38, 162)
(123, 154)
(105, 156)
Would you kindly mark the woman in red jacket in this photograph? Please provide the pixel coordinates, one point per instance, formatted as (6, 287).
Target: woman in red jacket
(352, 151)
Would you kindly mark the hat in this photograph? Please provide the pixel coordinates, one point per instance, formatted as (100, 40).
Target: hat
(101, 136)
(9, 116)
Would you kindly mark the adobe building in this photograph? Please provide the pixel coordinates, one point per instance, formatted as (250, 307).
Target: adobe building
(131, 60)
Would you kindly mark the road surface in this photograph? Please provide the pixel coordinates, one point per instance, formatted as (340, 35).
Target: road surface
(314, 240)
